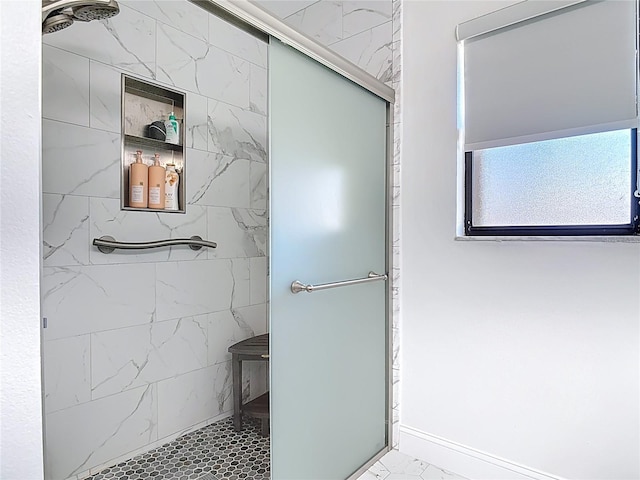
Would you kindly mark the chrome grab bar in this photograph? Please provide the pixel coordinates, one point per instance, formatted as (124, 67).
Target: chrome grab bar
(297, 286)
(108, 244)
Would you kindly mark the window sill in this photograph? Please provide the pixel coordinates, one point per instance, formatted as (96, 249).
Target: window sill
(549, 238)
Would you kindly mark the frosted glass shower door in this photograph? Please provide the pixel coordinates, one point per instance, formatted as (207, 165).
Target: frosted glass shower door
(327, 210)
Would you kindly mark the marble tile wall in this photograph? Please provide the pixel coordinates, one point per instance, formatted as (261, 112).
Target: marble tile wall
(359, 30)
(135, 351)
(396, 256)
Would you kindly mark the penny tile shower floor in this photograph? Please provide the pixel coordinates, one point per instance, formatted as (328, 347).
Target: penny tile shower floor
(215, 452)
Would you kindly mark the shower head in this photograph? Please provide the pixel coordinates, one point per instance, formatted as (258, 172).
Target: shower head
(59, 14)
(86, 13)
(55, 22)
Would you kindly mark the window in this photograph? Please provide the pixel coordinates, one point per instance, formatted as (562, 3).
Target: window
(581, 185)
(549, 117)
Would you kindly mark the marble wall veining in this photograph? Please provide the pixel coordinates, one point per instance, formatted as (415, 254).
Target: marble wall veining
(359, 30)
(135, 350)
(396, 254)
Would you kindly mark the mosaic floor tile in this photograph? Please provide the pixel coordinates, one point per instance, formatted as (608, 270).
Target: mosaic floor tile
(216, 450)
(208, 476)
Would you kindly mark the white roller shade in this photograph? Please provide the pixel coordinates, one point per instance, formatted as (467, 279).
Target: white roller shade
(565, 73)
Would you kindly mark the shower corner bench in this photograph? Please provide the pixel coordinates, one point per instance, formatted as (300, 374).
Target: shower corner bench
(252, 349)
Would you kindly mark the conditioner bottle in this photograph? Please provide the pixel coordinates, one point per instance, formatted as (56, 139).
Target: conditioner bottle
(171, 188)
(156, 184)
(138, 176)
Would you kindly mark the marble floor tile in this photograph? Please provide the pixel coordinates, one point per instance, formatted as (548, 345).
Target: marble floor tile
(434, 473)
(398, 466)
(399, 463)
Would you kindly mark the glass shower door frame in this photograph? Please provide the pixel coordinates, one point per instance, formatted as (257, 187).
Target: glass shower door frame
(389, 284)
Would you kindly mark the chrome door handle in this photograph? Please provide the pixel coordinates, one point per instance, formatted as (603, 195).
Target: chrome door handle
(297, 286)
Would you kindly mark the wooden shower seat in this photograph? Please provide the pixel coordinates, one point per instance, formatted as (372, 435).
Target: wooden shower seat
(252, 349)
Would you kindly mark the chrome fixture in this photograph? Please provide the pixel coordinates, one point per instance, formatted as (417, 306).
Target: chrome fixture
(59, 14)
(297, 286)
(108, 244)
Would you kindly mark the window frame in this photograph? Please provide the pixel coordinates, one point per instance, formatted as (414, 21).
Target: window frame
(632, 228)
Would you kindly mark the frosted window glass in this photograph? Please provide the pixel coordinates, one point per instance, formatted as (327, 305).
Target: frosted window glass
(584, 180)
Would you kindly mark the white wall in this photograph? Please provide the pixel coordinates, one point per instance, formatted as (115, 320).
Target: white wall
(526, 351)
(20, 392)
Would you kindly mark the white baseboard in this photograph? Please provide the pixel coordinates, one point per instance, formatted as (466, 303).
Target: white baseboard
(463, 460)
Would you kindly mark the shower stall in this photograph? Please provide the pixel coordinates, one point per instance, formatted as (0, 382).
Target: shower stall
(286, 158)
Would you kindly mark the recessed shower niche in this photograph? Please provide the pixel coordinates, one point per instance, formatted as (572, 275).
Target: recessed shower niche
(146, 110)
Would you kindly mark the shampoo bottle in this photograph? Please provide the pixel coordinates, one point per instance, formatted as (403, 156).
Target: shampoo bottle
(173, 129)
(138, 176)
(171, 188)
(156, 183)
